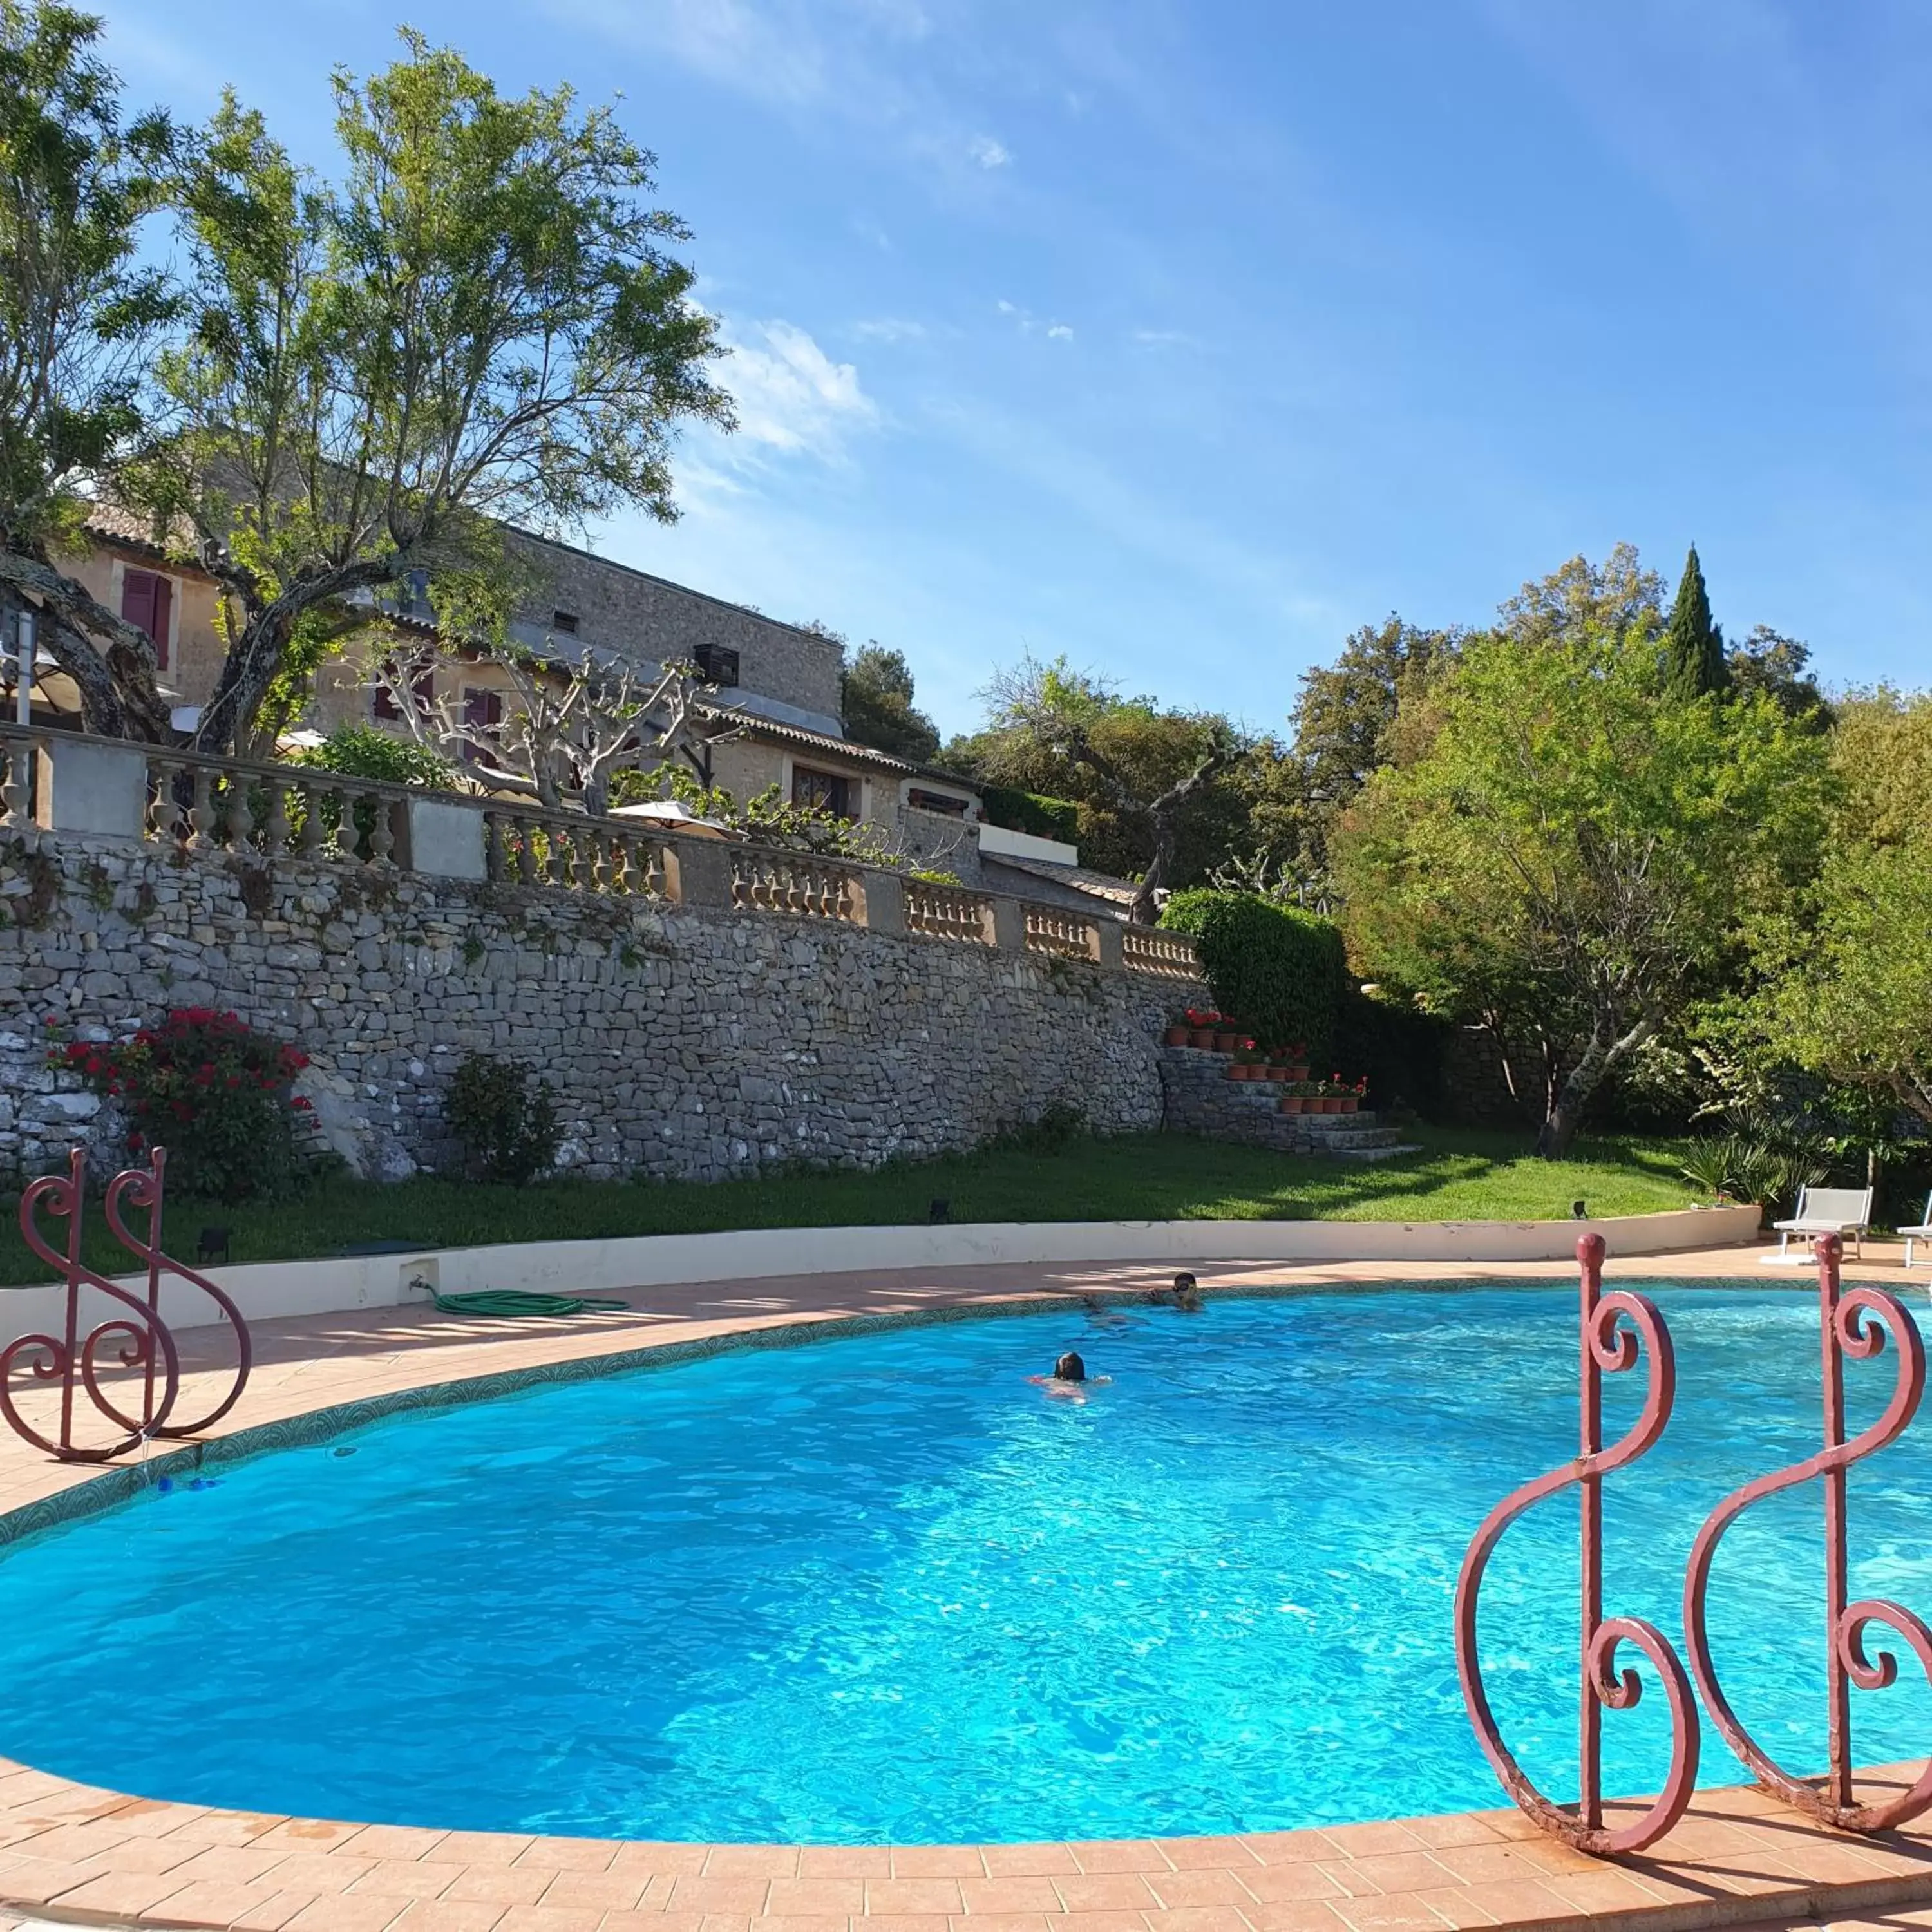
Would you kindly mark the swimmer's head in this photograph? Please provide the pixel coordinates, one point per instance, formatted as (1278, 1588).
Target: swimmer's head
(1069, 1368)
(1184, 1284)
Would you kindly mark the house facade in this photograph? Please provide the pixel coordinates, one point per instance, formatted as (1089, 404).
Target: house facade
(774, 701)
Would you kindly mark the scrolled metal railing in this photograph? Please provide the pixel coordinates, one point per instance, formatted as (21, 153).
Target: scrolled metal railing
(1607, 1347)
(1855, 1323)
(74, 1358)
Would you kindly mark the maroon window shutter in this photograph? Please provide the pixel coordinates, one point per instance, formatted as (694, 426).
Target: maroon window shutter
(482, 712)
(164, 604)
(146, 602)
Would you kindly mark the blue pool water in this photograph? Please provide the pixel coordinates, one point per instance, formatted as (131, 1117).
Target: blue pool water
(883, 1589)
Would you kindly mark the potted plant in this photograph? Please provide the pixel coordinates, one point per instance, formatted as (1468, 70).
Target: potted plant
(1356, 1095)
(1333, 1088)
(1201, 1025)
(1245, 1065)
(1177, 1031)
(1227, 1039)
(1304, 1097)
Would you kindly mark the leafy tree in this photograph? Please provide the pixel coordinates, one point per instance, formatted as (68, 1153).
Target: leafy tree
(875, 698)
(1146, 778)
(1617, 598)
(479, 319)
(1575, 845)
(363, 751)
(80, 313)
(1779, 667)
(1849, 991)
(1693, 646)
(1345, 721)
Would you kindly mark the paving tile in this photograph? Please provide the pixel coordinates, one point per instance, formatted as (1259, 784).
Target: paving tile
(1522, 1903)
(1042, 1861)
(550, 1918)
(208, 1902)
(751, 1862)
(1200, 1854)
(1288, 1848)
(479, 1848)
(569, 1854)
(321, 1873)
(608, 1891)
(937, 1861)
(1006, 1921)
(1202, 1886)
(125, 1893)
(1384, 1911)
(1199, 1919)
(823, 1921)
(1361, 1841)
(397, 1841)
(448, 1915)
(347, 1914)
(1120, 1855)
(1297, 1884)
(1102, 1921)
(1290, 1915)
(721, 1895)
(989, 1897)
(815, 1898)
(920, 1895)
(499, 1884)
(1106, 1891)
(273, 1912)
(843, 1861)
(403, 1878)
(1395, 1871)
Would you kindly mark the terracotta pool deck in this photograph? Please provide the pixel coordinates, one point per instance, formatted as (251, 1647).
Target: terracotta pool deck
(73, 1854)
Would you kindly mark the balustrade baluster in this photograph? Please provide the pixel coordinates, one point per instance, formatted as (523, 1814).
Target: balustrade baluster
(201, 814)
(527, 852)
(493, 845)
(381, 832)
(313, 829)
(275, 824)
(16, 752)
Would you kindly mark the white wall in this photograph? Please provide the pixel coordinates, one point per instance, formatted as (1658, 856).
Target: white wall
(264, 1290)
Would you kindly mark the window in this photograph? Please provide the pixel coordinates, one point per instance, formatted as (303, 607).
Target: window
(147, 602)
(422, 683)
(826, 790)
(565, 621)
(942, 803)
(482, 712)
(716, 664)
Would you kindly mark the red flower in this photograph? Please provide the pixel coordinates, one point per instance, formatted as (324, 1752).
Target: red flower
(301, 1105)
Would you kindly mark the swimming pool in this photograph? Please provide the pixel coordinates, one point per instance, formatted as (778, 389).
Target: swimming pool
(882, 1588)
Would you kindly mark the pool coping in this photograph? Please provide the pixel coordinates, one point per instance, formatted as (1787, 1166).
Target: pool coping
(76, 1853)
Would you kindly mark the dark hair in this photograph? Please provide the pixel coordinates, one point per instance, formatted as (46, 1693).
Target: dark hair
(1184, 1284)
(1069, 1368)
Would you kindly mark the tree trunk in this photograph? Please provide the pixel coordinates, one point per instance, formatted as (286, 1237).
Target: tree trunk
(1566, 1115)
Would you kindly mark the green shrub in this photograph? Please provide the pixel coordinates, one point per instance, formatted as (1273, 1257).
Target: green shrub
(212, 1091)
(1028, 811)
(362, 751)
(508, 1127)
(1396, 1046)
(1280, 971)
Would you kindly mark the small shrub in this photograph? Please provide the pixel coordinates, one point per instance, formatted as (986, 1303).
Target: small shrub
(508, 1125)
(1282, 970)
(214, 1092)
(362, 751)
(1058, 1124)
(1028, 811)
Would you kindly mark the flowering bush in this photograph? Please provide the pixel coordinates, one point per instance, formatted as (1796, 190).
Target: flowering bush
(211, 1090)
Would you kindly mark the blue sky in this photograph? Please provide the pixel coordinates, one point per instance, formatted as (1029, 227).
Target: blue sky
(1184, 336)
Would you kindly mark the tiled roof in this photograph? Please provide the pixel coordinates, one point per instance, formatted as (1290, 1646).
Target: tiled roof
(1077, 878)
(758, 726)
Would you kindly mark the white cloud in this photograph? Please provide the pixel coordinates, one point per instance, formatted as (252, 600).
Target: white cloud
(791, 395)
(889, 329)
(988, 152)
(1059, 332)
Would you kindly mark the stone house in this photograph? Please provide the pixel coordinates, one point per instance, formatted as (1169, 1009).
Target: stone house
(776, 693)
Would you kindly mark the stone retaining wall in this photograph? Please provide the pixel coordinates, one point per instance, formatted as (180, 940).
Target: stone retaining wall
(686, 1042)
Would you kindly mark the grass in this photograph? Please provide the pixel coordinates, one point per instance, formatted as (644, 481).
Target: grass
(1456, 1176)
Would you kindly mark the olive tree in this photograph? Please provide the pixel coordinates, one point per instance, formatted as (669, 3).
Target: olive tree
(478, 318)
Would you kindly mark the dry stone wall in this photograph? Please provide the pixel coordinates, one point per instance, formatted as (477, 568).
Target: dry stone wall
(684, 1043)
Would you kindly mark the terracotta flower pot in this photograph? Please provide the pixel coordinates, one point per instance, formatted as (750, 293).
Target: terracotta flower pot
(1297, 1073)
(1277, 1073)
(1291, 1103)
(1175, 1035)
(1331, 1104)
(1349, 1103)
(1202, 1037)
(1226, 1042)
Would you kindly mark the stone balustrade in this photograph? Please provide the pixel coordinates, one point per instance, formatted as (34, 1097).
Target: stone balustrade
(60, 782)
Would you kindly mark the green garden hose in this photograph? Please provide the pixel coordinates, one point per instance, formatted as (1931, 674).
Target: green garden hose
(514, 1301)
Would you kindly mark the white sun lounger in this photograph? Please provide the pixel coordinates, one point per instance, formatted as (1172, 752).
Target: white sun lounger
(1827, 1211)
(1923, 1232)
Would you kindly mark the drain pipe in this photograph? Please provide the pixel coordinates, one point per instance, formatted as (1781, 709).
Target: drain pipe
(23, 702)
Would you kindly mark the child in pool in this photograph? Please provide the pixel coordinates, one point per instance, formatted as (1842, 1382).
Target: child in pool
(1069, 1380)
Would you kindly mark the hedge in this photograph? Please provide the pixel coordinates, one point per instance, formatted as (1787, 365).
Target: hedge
(1280, 972)
(1028, 811)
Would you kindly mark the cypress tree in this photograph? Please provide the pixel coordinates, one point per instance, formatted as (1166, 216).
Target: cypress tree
(1693, 646)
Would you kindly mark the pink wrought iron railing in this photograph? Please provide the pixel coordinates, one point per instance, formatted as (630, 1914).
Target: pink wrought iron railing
(1607, 1346)
(77, 1361)
(1855, 1323)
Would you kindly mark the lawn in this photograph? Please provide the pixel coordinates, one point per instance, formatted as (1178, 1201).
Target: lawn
(1455, 1176)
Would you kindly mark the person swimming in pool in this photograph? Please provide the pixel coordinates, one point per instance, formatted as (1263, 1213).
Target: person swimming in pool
(1186, 1294)
(1069, 1380)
